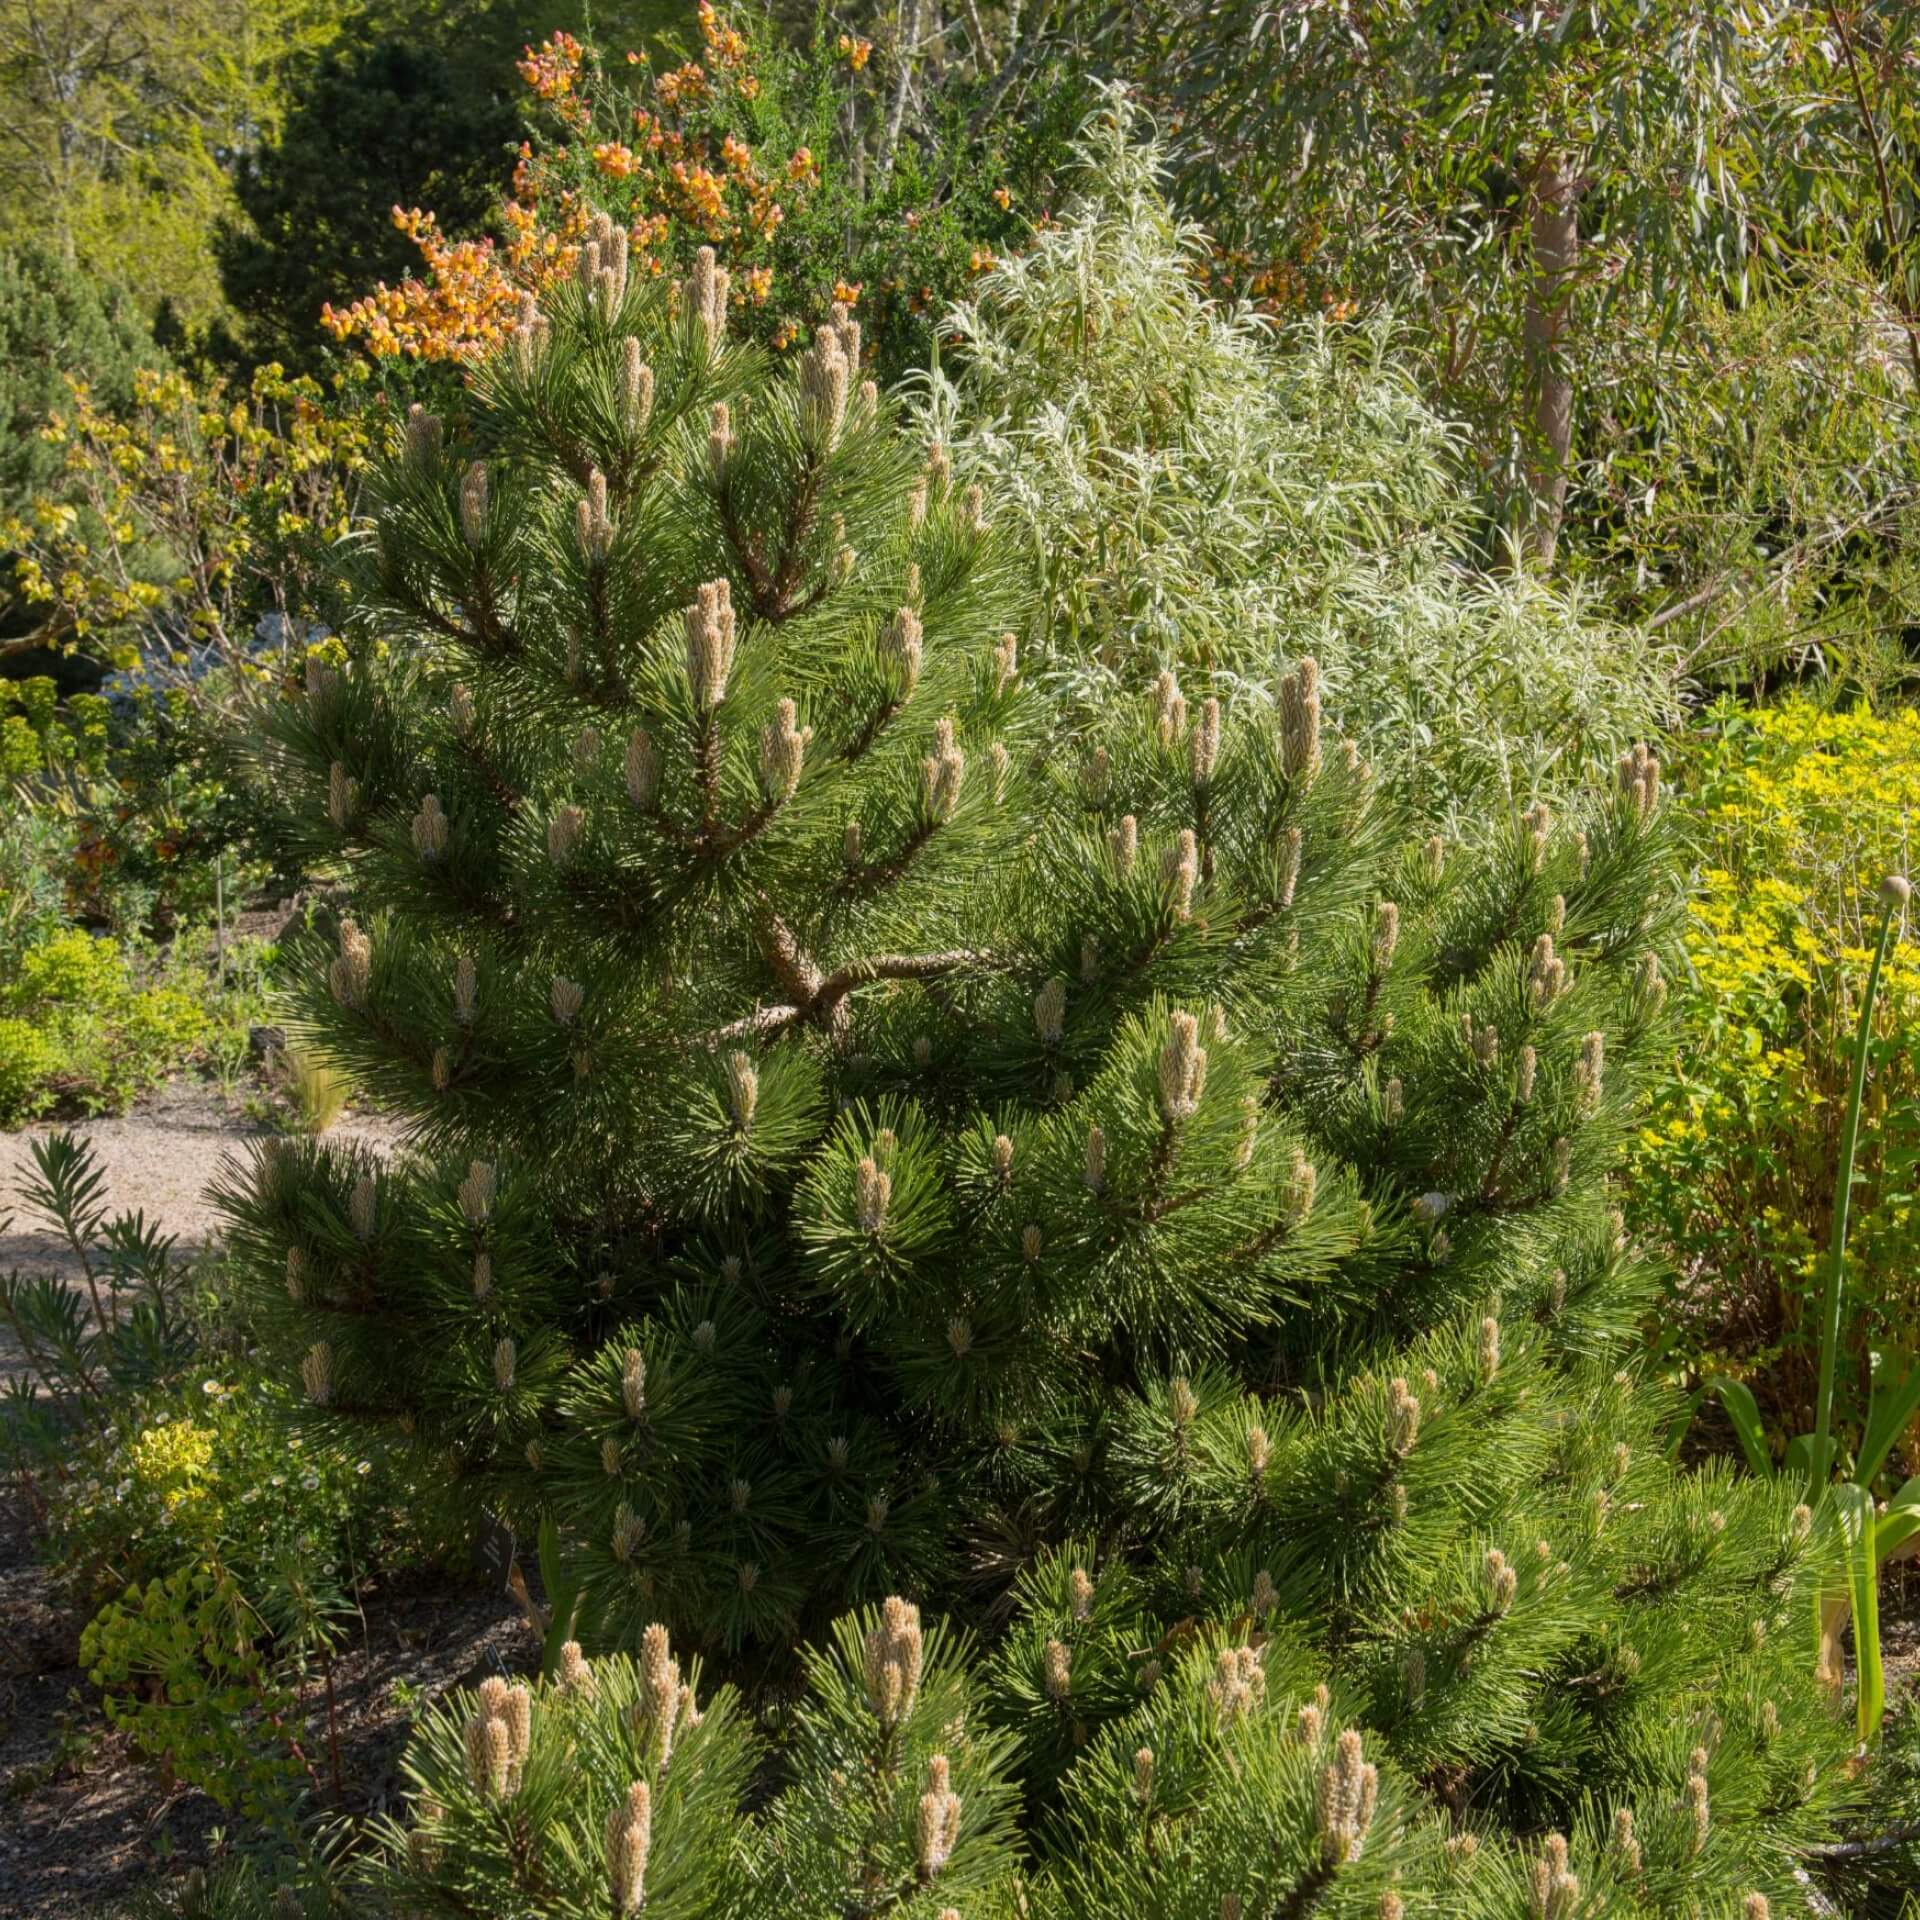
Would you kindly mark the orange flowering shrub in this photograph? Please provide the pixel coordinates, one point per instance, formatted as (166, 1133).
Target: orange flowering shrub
(743, 149)
(465, 302)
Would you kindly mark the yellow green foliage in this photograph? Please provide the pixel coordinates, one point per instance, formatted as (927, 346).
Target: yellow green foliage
(1803, 810)
(43, 734)
(76, 1027)
(192, 511)
(172, 1463)
(70, 968)
(28, 1060)
(182, 1673)
(122, 127)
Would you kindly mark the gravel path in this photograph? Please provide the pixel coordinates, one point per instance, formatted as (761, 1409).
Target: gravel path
(159, 1160)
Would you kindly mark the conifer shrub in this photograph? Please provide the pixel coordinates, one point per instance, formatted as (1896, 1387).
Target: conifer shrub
(883, 1149)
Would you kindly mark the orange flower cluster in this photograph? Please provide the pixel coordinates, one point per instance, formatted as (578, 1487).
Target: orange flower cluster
(554, 72)
(856, 53)
(726, 46)
(703, 198)
(683, 87)
(465, 303)
(466, 296)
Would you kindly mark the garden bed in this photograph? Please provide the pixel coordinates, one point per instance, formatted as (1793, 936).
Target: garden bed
(87, 1823)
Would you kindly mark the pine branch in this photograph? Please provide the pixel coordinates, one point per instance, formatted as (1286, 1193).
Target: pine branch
(824, 1000)
(887, 872)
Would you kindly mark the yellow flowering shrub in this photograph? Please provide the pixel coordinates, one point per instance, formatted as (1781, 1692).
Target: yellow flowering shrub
(1802, 812)
(203, 1471)
(188, 514)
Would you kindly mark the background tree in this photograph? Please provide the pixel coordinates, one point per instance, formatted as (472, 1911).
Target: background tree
(56, 324)
(398, 112)
(1556, 196)
(122, 123)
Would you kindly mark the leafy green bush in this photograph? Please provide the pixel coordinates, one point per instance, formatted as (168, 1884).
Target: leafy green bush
(1197, 491)
(183, 1674)
(111, 1038)
(1801, 811)
(29, 1060)
(201, 1471)
(129, 796)
(42, 734)
(72, 968)
(221, 1552)
(120, 817)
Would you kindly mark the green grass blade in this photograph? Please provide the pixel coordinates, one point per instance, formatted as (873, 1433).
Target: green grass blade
(1891, 1408)
(1744, 1411)
(1857, 1524)
(1843, 1196)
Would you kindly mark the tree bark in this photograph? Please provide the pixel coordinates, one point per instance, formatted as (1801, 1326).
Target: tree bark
(911, 27)
(1554, 241)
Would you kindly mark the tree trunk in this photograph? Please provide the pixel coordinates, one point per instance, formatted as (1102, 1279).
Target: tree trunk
(1555, 255)
(910, 30)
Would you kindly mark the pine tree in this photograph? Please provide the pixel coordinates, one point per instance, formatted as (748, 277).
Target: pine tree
(873, 1145)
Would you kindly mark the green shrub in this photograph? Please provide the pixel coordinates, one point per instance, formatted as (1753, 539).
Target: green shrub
(71, 968)
(184, 1677)
(89, 1035)
(882, 1127)
(47, 734)
(56, 322)
(198, 1470)
(29, 1059)
(221, 1553)
(1212, 1774)
(1801, 811)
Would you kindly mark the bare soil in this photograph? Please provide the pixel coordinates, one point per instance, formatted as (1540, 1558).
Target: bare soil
(85, 1822)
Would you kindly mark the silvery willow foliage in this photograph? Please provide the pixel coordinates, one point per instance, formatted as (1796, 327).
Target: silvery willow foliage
(1195, 489)
(880, 1146)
